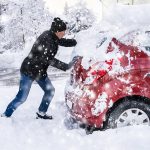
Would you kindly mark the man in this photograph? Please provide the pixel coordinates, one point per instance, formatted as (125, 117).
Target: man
(35, 65)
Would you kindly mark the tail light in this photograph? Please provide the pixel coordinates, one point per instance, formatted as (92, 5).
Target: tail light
(95, 72)
(98, 71)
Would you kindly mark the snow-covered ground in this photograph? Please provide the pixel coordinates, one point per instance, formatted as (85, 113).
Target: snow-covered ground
(24, 132)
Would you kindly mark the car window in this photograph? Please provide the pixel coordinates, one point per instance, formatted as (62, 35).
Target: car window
(129, 37)
(137, 38)
(101, 42)
(145, 42)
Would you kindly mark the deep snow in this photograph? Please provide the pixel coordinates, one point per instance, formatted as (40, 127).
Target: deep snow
(24, 132)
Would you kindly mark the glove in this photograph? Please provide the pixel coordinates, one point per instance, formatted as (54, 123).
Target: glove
(74, 60)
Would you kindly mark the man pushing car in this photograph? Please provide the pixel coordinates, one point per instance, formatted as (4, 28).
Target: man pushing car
(35, 65)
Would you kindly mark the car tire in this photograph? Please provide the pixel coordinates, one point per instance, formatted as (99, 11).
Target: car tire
(129, 112)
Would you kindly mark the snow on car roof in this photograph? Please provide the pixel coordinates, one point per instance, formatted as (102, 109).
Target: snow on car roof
(118, 20)
(93, 43)
(95, 40)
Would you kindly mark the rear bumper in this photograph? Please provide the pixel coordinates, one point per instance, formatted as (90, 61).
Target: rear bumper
(81, 114)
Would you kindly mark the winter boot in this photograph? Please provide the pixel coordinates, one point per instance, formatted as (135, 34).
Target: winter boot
(4, 116)
(43, 116)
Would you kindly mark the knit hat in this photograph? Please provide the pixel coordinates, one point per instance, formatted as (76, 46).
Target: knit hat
(58, 25)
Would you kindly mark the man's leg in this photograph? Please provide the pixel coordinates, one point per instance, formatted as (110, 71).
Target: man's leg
(49, 91)
(24, 88)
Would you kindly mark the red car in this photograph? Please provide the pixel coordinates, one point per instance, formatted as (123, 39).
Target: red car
(115, 92)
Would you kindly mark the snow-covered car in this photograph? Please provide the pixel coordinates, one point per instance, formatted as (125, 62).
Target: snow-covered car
(109, 87)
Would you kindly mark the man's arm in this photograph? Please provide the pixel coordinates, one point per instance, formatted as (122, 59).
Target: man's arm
(67, 42)
(59, 64)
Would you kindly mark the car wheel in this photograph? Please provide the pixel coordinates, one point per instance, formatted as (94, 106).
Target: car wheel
(129, 112)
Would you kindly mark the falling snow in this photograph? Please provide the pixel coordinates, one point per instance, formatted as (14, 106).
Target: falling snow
(24, 132)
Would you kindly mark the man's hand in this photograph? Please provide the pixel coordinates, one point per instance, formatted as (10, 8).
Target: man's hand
(74, 60)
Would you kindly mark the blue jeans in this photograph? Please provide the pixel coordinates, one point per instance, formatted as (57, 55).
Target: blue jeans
(25, 85)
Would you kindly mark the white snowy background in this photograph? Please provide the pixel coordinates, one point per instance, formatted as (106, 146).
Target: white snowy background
(23, 131)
